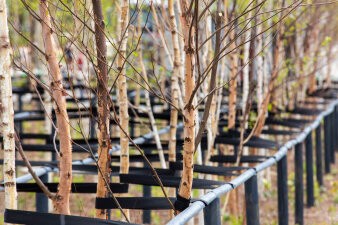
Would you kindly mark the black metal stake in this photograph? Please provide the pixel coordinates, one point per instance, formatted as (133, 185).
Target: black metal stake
(319, 158)
(132, 131)
(335, 130)
(332, 138)
(92, 130)
(299, 189)
(41, 199)
(282, 182)
(251, 201)
(18, 124)
(309, 171)
(212, 213)
(327, 153)
(146, 217)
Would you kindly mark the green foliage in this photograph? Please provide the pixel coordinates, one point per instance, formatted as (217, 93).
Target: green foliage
(241, 7)
(316, 190)
(233, 220)
(306, 60)
(252, 119)
(282, 75)
(156, 218)
(56, 179)
(78, 178)
(270, 106)
(110, 15)
(335, 200)
(19, 82)
(327, 40)
(289, 24)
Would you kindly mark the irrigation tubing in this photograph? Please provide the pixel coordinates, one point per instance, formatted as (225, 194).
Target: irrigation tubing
(199, 204)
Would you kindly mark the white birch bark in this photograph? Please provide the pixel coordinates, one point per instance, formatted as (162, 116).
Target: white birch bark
(151, 115)
(122, 86)
(161, 34)
(7, 112)
(189, 111)
(245, 74)
(174, 82)
(259, 59)
(181, 46)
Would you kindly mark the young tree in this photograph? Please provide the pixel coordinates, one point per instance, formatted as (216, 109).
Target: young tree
(122, 86)
(274, 75)
(233, 81)
(7, 112)
(149, 109)
(103, 103)
(174, 82)
(189, 110)
(61, 202)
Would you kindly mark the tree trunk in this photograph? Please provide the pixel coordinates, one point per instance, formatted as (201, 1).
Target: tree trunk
(103, 108)
(233, 81)
(122, 86)
(312, 77)
(7, 112)
(189, 111)
(260, 70)
(61, 203)
(161, 34)
(275, 71)
(304, 65)
(148, 103)
(329, 65)
(181, 47)
(246, 82)
(174, 82)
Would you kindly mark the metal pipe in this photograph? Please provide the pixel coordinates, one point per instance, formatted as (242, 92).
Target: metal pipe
(198, 205)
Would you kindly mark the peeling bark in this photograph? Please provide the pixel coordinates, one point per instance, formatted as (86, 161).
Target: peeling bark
(61, 204)
(189, 110)
(103, 108)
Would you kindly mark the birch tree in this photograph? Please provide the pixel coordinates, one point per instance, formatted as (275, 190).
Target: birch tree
(148, 103)
(233, 75)
(189, 110)
(174, 82)
(103, 107)
(122, 86)
(61, 202)
(7, 112)
(275, 71)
